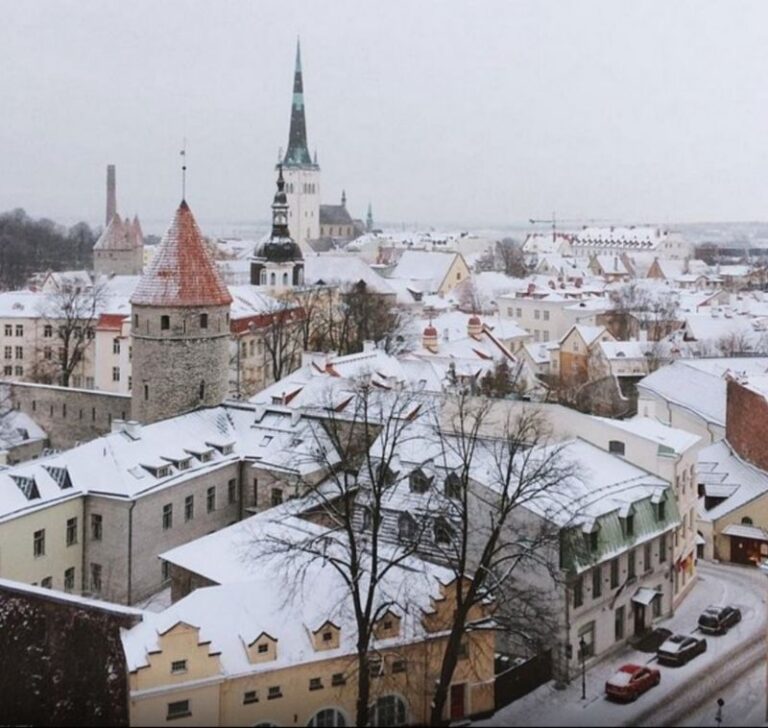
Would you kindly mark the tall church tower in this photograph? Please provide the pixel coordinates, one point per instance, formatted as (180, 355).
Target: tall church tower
(277, 264)
(180, 327)
(302, 174)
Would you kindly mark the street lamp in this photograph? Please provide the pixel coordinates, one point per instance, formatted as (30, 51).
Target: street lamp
(582, 655)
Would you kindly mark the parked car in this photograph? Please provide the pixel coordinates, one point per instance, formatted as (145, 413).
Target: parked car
(718, 620)
(680, 648)
(631, 681)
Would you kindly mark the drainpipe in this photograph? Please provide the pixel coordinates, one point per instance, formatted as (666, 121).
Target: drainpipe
(130, 551)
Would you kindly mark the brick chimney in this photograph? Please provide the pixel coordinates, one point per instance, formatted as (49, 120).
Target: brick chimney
(111, 193)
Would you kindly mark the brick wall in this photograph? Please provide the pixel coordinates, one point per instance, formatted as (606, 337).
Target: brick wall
(69, 415)
(746, 422)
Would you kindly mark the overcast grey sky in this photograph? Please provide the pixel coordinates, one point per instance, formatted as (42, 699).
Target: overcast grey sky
(440, 112)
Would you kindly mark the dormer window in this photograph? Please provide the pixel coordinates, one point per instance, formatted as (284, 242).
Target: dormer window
(202, 455)
(60, 475)
(627, 518)
(327, 637)
(223, 448)
(419, 483)
(262, 649)
(27, 486)
(591, 537)
(616, 447)
(159, 471)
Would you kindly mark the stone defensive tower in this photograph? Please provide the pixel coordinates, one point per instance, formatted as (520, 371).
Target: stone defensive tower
(180, 327)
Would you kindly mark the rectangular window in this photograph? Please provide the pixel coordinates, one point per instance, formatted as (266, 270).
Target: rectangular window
(115, 346)
(274, 692)
(8, 330)
(536, 314)
(587, 641)
(210, 499)
(165, 570)
(656, 603)
(96, 529)
(662, 548)
(597, 582)
(631, 564)
(315, 683)
(263, 648)
(255, 491)
(338, 679)
(277, 496)
(18, 371)
(614, 573)
(9, 352)
(399, 666)
(71, 531)
(19, 330)
(165, 323)
(647, 557)
(69, 579)
(178, 666)
(578, 592)
(8, 371)
(203, 320)
(630, 521)
(167, 516)
(375, 667)
(250, 696)
(96, 578)
(38, 546)
(189, 508)
(179, 709)
(618, 624)
(48, 331)
(546, 315)
(115, 374)
(232, 491)
(661, 511)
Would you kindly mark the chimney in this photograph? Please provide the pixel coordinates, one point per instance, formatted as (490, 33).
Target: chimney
(111, 193)
(474, 326)
(429, 338)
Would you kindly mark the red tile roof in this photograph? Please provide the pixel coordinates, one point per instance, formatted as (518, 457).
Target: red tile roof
(182, 272)
(110, 321)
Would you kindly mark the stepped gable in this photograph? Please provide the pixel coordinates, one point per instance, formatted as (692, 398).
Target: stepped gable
(182, 273)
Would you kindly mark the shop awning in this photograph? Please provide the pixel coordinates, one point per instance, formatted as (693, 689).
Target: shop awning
(645, 596)
(742, 531)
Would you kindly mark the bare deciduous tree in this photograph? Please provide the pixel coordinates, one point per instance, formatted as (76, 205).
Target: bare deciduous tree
(499, 489)
(353, 544)
(72, 313)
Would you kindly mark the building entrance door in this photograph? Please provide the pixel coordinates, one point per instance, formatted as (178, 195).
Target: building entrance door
(457, 701)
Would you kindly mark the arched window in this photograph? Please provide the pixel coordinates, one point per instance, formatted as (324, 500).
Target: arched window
(453, 486)
(272, 279)
(331, 717)
(285, 279)
(616, 447)
(165, 323)
(443, 531)
(747, 521)
(263, 277)
(406, 528)
(388, 710)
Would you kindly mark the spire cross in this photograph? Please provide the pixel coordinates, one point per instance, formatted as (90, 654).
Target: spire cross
(183, 154)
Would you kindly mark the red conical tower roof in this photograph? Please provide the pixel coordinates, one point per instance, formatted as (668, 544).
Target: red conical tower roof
(182, 272)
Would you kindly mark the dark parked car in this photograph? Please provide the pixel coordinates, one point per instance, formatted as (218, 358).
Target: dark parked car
(680, 648)
(718, 620)
(631, 681)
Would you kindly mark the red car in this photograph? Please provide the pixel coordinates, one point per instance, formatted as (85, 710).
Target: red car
(631, 681)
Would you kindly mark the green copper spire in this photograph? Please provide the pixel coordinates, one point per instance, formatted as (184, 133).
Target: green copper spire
(298, 151)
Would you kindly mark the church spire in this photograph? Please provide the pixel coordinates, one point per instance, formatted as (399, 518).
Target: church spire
(298, 151)
(280, 209)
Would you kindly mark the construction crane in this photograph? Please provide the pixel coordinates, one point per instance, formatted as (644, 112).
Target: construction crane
(553, 222)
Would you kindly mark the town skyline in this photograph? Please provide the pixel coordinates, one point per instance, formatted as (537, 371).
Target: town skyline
(409, 131)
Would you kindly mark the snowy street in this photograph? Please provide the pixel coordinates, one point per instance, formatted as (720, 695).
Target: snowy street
(733, 667)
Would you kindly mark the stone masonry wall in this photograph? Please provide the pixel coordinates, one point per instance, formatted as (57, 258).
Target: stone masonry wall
(169, 366)
(69, 415)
